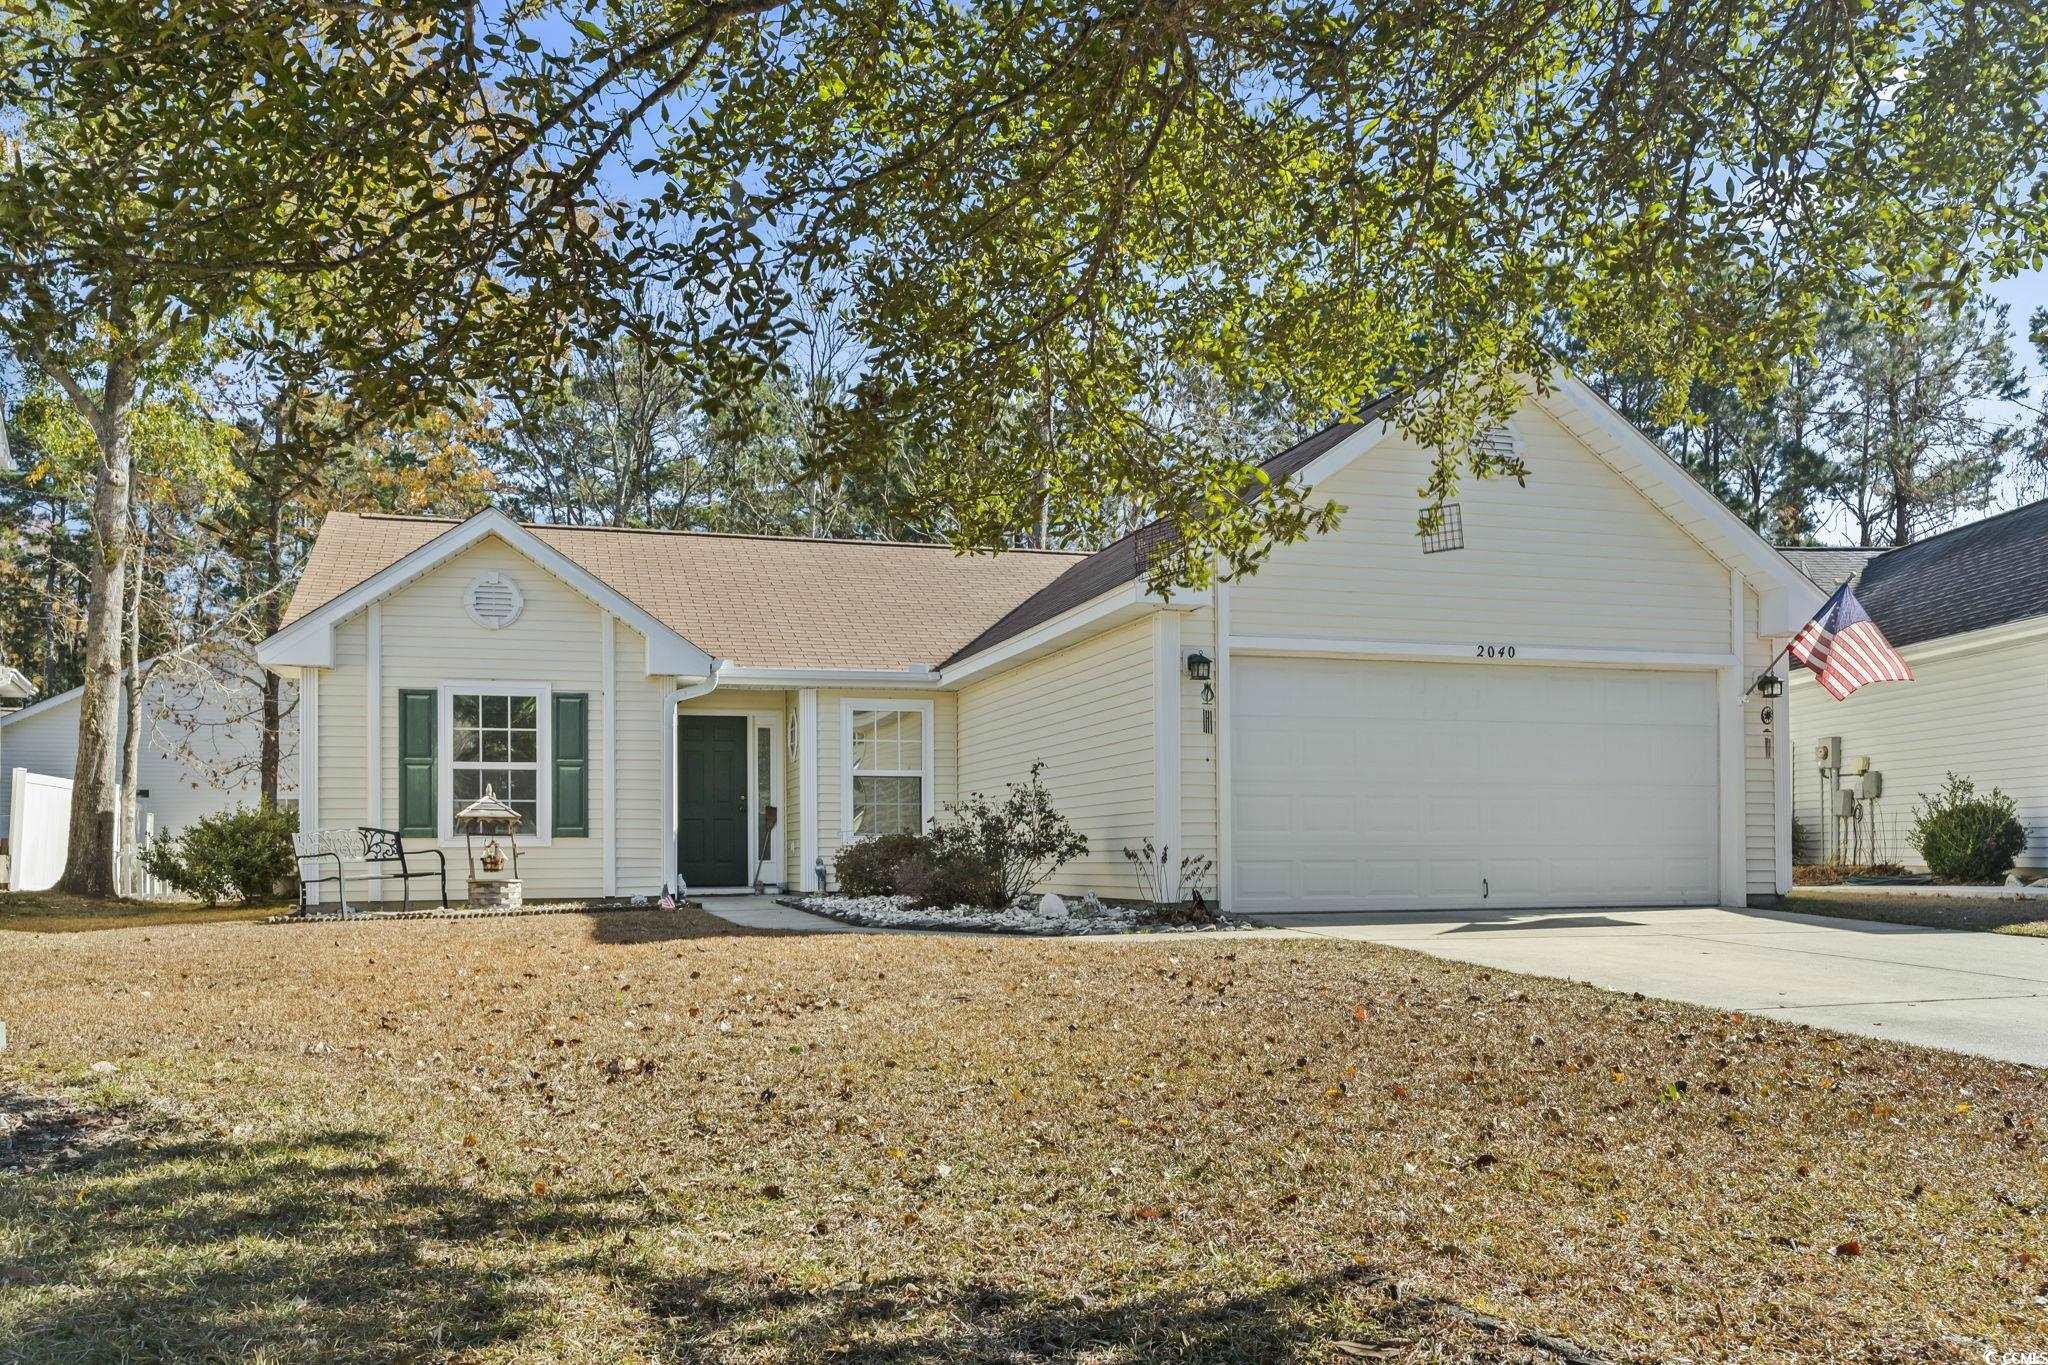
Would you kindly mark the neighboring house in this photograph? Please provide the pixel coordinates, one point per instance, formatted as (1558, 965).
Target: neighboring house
(199, 752)
(1968, 611)
(1552, 714)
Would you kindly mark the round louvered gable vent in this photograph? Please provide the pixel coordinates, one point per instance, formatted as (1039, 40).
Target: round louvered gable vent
(494, 601)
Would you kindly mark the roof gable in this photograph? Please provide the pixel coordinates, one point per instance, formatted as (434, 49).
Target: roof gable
(1789, 598)
(307, 640)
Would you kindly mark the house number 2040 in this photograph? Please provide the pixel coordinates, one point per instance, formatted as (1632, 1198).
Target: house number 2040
(1493, 651)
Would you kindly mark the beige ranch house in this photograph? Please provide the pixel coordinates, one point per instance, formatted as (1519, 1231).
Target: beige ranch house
(1548, 709)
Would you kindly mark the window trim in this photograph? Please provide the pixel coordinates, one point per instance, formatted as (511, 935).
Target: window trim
(544, 755)
(847, 707)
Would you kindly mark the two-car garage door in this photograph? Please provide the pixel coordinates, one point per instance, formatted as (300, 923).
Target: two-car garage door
(1376, 785)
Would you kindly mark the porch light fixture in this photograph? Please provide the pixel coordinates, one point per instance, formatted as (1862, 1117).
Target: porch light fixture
(1770, 685)
(1198, 666)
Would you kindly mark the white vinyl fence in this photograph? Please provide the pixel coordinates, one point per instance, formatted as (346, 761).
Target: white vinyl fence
(39, 835)
(39, 830)
(133, 876)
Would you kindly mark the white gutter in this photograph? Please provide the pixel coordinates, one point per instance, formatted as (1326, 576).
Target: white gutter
(733, 676)
(701, 689)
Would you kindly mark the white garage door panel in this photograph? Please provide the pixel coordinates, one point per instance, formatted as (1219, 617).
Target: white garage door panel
(1364, 785)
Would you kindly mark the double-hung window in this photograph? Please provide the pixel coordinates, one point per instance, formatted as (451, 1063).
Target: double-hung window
(496, 740)
(888, 787)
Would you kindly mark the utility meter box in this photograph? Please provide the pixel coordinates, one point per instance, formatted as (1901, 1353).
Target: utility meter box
(1858, 765)
(1870, 785)
(1845, 801)
(1828, 753)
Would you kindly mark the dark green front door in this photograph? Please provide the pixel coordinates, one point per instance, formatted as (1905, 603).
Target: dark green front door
(711, 789)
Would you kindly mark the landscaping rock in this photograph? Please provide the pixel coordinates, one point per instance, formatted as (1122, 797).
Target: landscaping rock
(901, 912)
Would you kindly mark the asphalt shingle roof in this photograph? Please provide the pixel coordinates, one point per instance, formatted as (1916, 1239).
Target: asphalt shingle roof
(760, 601)
(1976, 576)
(788, 602)
(1829, 566)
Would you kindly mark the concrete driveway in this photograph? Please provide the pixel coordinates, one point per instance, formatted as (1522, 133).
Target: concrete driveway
(1969, 992)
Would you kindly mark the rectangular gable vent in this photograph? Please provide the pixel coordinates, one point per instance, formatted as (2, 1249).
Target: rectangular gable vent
(1499, 441)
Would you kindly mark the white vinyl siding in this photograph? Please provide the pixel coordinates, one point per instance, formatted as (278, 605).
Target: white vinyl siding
(46, 743)
(223, 734)
(643, 733)
(1975, 712)
(1577, 559)
(1759, 770)
(343, 733)
(1088, 711)
(1198, 837)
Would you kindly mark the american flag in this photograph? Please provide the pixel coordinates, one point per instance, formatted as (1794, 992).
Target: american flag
(1845, 647)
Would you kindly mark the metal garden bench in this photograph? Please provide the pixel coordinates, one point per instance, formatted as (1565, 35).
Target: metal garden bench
(368, 850)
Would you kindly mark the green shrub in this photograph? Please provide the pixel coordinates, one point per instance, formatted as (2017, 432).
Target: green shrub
(246, 851)
(867, 867)
(1965, 837)
(1017, 842)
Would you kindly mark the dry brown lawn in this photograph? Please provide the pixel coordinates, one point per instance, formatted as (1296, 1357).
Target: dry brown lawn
(651, 1136)
(1934, 912)
(48, 912)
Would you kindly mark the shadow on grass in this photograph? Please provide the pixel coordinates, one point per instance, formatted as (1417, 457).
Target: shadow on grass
(670, 926)
(321, 1248)
(330, 1247)
(909, 1320)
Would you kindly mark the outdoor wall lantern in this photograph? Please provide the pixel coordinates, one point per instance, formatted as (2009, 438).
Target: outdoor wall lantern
(1198, 666)
(1770, 685)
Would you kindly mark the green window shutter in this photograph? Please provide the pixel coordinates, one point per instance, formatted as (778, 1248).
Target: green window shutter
(417, 781)
(572, 764)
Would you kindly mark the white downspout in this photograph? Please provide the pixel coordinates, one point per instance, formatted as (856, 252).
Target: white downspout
(702, 689)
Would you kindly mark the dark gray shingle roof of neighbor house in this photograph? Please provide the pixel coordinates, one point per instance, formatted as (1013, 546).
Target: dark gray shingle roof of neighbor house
(1830, 566)
(1974, 577)
(1127, 559)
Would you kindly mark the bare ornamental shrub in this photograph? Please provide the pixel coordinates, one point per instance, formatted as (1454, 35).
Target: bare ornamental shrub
(1020, 840)
(1161, 881)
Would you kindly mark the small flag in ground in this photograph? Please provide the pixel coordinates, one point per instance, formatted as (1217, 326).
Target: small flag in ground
(1845, 647)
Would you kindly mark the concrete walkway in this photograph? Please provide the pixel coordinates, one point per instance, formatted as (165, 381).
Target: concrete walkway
(1969, 992)
(764, 912)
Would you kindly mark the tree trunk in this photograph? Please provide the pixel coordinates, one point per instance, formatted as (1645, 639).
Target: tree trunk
(271, 759)
(126, 815)
(89, 862)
